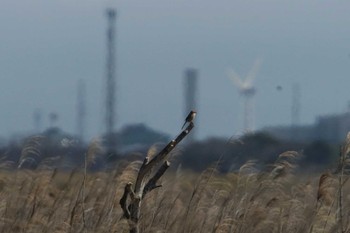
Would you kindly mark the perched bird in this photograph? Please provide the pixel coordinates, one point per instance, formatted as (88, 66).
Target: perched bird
(190, 118)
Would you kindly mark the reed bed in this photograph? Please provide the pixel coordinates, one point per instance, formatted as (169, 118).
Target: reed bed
(275, 199)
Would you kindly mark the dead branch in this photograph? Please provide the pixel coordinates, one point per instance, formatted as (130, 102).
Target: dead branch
(123, 200)
(143, 185)
(152, 183)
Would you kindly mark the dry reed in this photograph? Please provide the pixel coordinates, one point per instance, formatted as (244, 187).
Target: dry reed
(252, 200)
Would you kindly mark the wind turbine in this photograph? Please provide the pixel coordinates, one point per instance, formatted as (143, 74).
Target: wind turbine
(247, 91)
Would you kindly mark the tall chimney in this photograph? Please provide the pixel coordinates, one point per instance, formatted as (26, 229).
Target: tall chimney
(110, 80)
(190, 87)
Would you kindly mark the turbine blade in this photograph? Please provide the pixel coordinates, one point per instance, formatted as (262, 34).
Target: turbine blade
(253, 72)
(235, 78)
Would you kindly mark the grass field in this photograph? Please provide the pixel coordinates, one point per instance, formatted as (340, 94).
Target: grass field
(274, 200)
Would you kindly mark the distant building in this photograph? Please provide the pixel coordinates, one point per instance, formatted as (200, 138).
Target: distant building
(330, 128)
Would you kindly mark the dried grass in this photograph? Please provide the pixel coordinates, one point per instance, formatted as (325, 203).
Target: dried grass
(275, 200)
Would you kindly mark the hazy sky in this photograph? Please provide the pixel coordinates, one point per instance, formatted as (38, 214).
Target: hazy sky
(47, 46)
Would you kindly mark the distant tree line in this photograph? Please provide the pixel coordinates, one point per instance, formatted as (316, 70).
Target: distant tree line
(55, 149)
(230, 154)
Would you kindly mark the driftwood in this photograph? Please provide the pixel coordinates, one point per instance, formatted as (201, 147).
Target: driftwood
(146, 183)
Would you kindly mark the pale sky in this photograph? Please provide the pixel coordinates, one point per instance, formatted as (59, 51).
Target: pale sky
(47, 46)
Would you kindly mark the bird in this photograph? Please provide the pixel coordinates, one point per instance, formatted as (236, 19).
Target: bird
(190, 117)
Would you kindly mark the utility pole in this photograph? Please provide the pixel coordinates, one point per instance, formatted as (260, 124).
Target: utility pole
(295, 116)
(110, 84)
(37, 120)
(81, 109)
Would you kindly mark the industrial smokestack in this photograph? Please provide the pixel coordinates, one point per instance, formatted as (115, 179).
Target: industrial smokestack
(190, 87)
(110, 79)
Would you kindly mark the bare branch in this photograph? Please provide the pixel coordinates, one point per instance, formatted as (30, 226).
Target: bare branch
(147, 167)
(141, 176)
(171, 145)
(152, 183)
(142, 186)
(127, 191)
